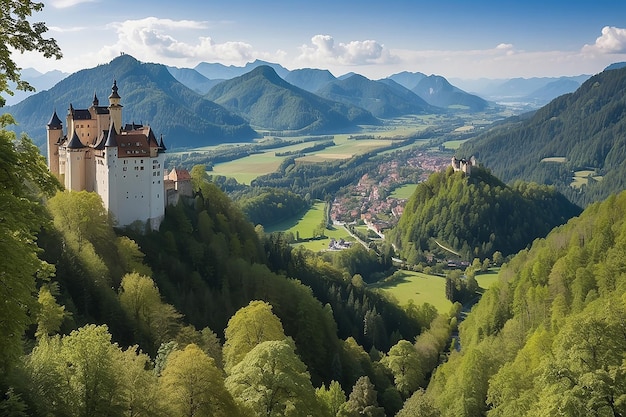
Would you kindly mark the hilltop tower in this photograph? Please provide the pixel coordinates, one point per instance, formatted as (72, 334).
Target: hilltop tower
(122, 163)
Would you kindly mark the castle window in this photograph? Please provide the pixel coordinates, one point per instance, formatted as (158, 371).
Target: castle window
(124, 169)
(141, 168)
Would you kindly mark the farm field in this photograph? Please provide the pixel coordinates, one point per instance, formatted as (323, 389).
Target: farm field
(305, 225)
(246, 169)
(582, 178)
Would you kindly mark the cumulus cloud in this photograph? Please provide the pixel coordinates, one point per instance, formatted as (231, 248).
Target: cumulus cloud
(64, 4)
(612, 41)
(324, 51)
(151, 39)
(67, 29)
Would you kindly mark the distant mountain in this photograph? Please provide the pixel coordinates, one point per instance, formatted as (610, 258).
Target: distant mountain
(585, 129)
(309, 79)
(150, 94)
(214, 71)
(269, 102)
(193, 79)
(36, 79)
(377, 97)
(437, 91)
(550, 91)
(532, 92)
(407, 79)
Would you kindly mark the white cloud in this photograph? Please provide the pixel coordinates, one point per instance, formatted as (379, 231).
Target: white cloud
(324, 51)
(612, 41)
(67, 29)
(163, 40)
(64, 4)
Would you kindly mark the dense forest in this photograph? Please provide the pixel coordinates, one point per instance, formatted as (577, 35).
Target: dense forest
(549, 338)
(476, 215)
(101, 321)
(587, 128)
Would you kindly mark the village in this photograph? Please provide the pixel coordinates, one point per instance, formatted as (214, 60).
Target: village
(371, 201)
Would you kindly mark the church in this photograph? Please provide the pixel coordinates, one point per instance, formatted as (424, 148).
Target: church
(122, 163)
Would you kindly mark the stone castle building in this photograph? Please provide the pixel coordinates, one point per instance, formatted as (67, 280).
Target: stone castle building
(122, 163)
(463, 165)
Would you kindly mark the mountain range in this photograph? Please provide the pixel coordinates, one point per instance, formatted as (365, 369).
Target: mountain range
(213, 103)
(584, 131)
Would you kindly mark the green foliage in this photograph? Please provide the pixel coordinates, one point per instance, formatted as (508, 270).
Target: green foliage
(272, 381)
(404, 363)
(191, 385)
(20, 35)
(270, 206)
(477, 215)
(24, 181)
(548, 339)
(585, 127)
(332, 397)
(362, 401)
(250, 326)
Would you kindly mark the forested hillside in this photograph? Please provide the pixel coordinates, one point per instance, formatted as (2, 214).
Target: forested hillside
(476, 215)
(137, 322)
(549, 338)
(269, 102)
(587, 128)
(150, 95)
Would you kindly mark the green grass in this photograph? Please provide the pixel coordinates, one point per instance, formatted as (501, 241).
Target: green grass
(487, 279)
(246, 169)
(304, 226)
(582, 178)
(420, 288)
(453, 144)
(405, 192)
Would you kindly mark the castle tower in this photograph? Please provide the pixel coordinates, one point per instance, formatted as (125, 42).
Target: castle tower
(55, 133)
(115, 109)
(75, 164)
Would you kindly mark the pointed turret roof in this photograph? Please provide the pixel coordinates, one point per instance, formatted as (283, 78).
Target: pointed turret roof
(161, 144)
(114, 90)
(96, 102)
(75, 143)
(101, 140)
(111, 141)
(55, 121)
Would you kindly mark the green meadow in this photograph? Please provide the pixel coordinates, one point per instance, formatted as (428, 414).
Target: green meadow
(404, 192)
(423, 288)
(419, 287)
(305, 225)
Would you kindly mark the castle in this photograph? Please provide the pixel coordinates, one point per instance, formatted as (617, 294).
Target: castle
(122, 163)
(463, 165)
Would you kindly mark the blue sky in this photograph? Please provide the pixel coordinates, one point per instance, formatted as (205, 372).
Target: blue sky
(456, 39)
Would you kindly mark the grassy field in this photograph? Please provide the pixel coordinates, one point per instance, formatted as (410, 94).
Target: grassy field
(306, 224)
(453, 144)
(420, 288)
(406, 191)
(582, 178)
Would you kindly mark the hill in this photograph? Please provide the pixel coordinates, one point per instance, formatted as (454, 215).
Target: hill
(149, 94)
(193, 79)
(377, 97)
(548, 339)
(585, 130)
(309, 79)
(476, 215)
(407, 79)
(269, 102)
(217, 71)
(437, 91)
(37, 80)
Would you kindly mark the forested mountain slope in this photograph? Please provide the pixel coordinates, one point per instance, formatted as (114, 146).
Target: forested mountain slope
(269, 102)
(549, 338)
(476, 215)
(150, 95)
(587, 128)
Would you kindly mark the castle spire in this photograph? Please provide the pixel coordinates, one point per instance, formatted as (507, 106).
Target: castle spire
(111, 141)
(55, 122)
(95, 99)
(114, 93)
